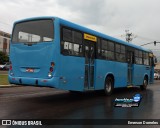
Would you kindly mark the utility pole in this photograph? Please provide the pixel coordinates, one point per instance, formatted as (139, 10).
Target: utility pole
(129, 36)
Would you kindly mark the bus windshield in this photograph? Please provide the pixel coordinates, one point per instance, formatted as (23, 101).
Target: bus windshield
(33, 31)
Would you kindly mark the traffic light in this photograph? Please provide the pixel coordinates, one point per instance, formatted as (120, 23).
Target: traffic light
(155, 43)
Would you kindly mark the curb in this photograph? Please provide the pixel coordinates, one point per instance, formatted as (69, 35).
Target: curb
(7, 86)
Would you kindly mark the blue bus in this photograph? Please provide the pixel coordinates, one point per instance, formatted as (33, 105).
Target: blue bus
(53, 52)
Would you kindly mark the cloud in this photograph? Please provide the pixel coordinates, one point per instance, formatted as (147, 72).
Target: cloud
(112, 17)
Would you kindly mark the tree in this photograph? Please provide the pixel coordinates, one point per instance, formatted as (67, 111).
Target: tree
(3, 58)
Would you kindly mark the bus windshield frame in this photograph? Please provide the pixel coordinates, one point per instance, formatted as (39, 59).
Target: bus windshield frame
(33, 31)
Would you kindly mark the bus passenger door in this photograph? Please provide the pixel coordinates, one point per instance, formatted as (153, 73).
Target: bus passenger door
(89, 65)
(130, 61)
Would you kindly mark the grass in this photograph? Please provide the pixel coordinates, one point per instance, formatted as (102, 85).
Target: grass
(4, 80)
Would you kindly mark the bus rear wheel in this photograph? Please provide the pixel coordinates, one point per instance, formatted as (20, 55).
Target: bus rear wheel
(108, 88)
(145, 83)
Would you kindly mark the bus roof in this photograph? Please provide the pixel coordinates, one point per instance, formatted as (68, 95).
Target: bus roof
(90, 31)
(87, 30)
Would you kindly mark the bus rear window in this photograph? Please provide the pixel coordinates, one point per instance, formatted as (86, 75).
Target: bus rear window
(33, 31)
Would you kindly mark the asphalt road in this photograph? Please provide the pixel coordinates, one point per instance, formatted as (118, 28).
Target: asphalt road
(48, 103)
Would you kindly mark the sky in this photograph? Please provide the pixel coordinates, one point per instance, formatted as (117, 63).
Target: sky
(111, 17)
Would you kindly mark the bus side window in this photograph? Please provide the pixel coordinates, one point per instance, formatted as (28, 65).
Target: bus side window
(146, 60)
(98, 49)
(66, 48)
(120, 53)
(104, 48)
(67, 35)
(71, 43)
(138, 57)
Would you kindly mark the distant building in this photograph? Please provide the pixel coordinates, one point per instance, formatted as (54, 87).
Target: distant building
(157, 67)
(5, 42)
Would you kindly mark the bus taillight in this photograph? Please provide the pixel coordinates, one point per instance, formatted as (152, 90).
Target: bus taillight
(10, 67)
(52, 64)
(51, 69)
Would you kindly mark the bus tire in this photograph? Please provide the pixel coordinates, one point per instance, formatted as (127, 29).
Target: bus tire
(145, 84)
(108, 88)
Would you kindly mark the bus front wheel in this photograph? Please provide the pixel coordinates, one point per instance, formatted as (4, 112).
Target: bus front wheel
(145, 83)
(108, 88)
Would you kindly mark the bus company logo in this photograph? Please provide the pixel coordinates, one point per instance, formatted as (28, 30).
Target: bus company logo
(21, 122)
(6, 122)
(137, 98)
(126, 102)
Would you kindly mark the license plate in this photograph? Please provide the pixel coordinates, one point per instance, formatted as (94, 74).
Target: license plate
(29, 70)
